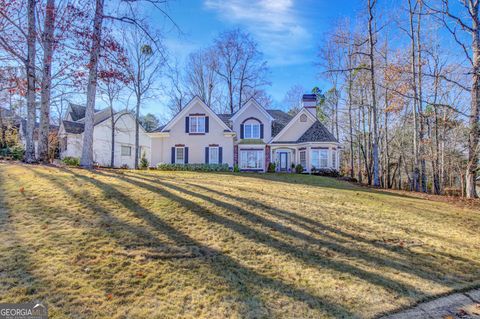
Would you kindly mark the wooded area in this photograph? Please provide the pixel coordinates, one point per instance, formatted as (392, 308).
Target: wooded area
(403, 90)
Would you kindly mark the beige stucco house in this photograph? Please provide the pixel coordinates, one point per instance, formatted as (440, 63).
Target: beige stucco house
(251, 138)
(71, 136)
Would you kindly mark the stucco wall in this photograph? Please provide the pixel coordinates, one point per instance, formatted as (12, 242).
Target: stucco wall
(296, 130)
(196, 144)
(253, 111)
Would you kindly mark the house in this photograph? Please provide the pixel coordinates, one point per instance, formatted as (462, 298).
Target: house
(250, 138)
(71, 136)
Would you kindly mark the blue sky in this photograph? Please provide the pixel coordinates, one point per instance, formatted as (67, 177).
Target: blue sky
(288, 33)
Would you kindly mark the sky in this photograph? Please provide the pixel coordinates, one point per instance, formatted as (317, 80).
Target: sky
(288, 33)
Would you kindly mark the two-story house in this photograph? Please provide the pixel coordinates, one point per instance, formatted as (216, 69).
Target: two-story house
(71, 136)
(251, 138)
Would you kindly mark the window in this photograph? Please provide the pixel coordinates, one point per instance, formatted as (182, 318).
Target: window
(64, 144)
(213, 155)
(320, 158)
(197, 124)
(126, 150)
(179, 155)
(334, 159)
(303, 159)
(251, 131)
(251, 159)
(303, 118)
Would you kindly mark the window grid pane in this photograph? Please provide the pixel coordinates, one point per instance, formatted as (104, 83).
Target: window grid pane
(179, 157)
(213, 155)
(197, 124)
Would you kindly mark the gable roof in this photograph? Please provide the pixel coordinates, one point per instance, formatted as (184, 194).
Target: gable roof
(73, 127)
(77, 127)
(184, 111)
(317, 133)
(245, 106)
(290, 123)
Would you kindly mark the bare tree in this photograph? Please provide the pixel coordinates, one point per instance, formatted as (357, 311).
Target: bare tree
(45, 96)
(202, 79)
(293, 99)
(145, 64)
(87, 149)
(239, 64)
(463, 20)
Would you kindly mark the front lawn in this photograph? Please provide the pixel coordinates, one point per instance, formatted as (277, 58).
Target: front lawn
(150, 244)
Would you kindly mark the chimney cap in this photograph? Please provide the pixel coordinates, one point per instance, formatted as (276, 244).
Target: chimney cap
(309, 97)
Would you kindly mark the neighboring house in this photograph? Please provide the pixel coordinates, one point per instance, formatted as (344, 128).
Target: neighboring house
(71, 136)
(251, 138)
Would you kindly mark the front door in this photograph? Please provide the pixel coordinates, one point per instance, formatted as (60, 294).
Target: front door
(283, 162)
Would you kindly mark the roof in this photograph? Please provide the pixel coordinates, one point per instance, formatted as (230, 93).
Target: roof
(158, 129)
(73, 127)
(280, 120)
(317, 133)
(77, 127)
(225, 118)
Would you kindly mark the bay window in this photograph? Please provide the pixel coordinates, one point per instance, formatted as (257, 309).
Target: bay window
(320, 158)
(251, 159)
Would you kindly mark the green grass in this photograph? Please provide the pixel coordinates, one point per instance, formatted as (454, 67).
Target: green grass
(151, 244)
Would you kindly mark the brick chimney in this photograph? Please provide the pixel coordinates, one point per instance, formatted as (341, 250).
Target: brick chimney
(309, 101)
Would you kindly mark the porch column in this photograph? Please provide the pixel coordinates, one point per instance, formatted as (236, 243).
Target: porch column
(267, 156)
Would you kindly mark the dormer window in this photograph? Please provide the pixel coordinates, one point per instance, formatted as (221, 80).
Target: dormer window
(252, 130)
(197, 124)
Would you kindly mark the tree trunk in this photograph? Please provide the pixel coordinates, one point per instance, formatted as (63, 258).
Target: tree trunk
(112, 120)
(137, 127)
(423, 169)
(473, 147)
(87, 150)
(47, 40)
(30, 68)
(350, 123)
(371, 4)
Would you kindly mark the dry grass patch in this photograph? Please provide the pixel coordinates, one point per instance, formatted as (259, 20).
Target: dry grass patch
(149, 244)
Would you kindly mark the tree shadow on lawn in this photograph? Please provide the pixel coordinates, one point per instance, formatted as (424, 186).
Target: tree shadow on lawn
(242, 280)
(314, 226)
(312, 258)
(428, 271)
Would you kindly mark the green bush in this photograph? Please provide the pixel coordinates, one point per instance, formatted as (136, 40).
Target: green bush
(143, 162)
(194, 167)
(271, 167)
(329, 172)
(71, 161)
(236, 169)
(17, 152)
(299, 169)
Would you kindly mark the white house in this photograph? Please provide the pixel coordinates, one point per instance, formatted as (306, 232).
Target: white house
(71, 136)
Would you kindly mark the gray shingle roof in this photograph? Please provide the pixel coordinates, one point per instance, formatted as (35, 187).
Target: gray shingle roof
(73, 127)
(317, 133)
(158, 129)
(225, 118)
(281, 119)
(77, 112)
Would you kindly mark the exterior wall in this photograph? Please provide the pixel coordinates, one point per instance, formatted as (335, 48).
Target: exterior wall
(251, 110)
(296, 130)
(294, 154)
(124, 135)
(196, 144)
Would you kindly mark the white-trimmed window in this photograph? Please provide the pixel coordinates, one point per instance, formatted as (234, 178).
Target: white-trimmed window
(197, 124)
(303, 159)
(251, 130)
(179, 155)
(213, 155)
(251, 159)
(126, 150)
(320, 158)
